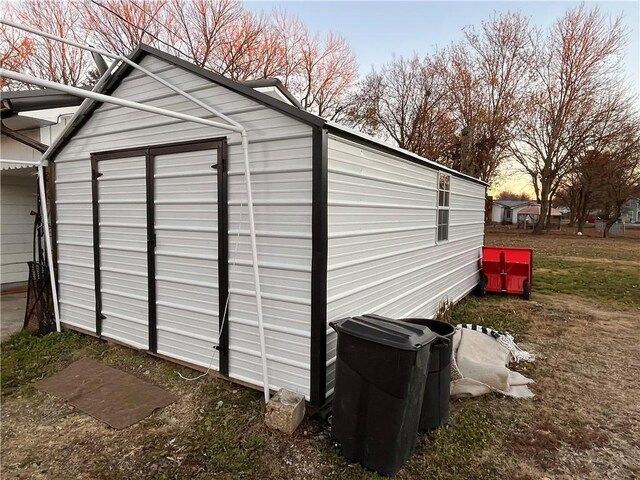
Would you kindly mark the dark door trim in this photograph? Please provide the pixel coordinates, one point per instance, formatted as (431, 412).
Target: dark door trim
(149, 152)
(223, 258)
(151, 253)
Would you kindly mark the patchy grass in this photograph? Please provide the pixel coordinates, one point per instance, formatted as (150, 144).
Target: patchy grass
(27, 358)
(608, 283)
(493, 311)
(460, 449)
(234, 443)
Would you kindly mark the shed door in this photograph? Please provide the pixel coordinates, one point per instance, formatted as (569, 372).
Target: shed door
(156, 248)
(122, 305)
(186, 255)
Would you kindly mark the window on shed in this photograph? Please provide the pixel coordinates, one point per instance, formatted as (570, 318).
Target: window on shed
(444, 192)
(444, 189)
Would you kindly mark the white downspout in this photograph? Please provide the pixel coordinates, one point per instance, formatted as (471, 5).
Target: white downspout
(256, 275)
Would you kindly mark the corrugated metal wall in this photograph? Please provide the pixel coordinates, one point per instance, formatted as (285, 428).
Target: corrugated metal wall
(383, 257)
(280, 153)
(18, 197)
(122, 211)
(186, 255)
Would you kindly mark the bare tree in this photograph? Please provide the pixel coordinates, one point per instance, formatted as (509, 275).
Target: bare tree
(15, 52)
(198, 28)
(120, 25)
(486, 76)
(576, 62)
(407, 101)
(619, 172)
(458, 107)
(509, 195)
(328, 69)
(43, 57)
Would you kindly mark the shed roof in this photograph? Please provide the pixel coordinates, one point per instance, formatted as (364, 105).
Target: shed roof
(42, 99)
(512, 203)
(273, 82)
(89, 106)
(535, 210)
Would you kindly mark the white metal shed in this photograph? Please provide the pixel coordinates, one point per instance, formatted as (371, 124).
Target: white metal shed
(153, 246)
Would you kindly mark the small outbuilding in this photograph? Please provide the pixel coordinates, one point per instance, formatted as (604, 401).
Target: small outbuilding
(152, 237)
(529, 216)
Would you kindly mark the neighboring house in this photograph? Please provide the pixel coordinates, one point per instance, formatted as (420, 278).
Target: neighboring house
(505, 212)
(152, 231)
(31, 120)
(631, 211)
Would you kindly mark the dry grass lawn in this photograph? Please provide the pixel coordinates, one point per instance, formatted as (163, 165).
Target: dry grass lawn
(583, 324)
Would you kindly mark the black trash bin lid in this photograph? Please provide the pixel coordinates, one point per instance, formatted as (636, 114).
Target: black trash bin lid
(386, 331)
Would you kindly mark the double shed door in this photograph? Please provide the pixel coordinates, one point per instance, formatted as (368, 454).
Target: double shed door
(158, 235)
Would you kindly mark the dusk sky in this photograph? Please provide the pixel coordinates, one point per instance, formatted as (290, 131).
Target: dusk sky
(377, 30)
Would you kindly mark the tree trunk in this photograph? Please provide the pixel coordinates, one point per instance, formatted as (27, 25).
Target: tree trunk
(617, 211)
(581, 223)
(541, 226)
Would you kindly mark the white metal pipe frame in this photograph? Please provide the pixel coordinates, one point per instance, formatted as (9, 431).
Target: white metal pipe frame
(232, 125)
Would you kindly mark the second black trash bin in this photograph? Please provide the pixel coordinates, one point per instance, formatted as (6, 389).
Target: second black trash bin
(381, 370)
(435, 407)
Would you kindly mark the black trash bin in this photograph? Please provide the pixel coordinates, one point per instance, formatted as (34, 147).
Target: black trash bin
(381, 370)
(435, 407)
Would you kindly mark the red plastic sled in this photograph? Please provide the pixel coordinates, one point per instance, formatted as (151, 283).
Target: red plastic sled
(507, 270)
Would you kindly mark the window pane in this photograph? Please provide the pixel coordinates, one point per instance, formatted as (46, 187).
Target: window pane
(446, 199)
(443, 225)
(441, 198)
(444, 181)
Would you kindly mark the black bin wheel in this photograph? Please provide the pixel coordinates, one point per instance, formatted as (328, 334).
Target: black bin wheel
(481, 288)
(526, 290)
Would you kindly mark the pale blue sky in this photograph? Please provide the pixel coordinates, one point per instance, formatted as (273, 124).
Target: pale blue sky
(376, 30)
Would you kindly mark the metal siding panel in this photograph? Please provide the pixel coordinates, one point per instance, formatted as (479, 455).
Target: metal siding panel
(16, 229)
(122, 217)
(281, 173)
(383, 257)
(75, 244)
(186, 233)
(280, 154)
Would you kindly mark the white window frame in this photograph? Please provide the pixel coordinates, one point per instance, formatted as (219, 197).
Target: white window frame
(443, 201)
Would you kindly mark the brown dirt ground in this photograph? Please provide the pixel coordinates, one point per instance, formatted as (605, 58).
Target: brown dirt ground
(585, 419)
(584, 422)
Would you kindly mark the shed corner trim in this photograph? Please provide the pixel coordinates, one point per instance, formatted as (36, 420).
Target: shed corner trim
(319, 267)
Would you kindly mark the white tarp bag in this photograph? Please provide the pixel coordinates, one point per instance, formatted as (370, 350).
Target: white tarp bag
(480, 364)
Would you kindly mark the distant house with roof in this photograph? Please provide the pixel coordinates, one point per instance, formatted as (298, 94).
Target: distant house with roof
(505, 212)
